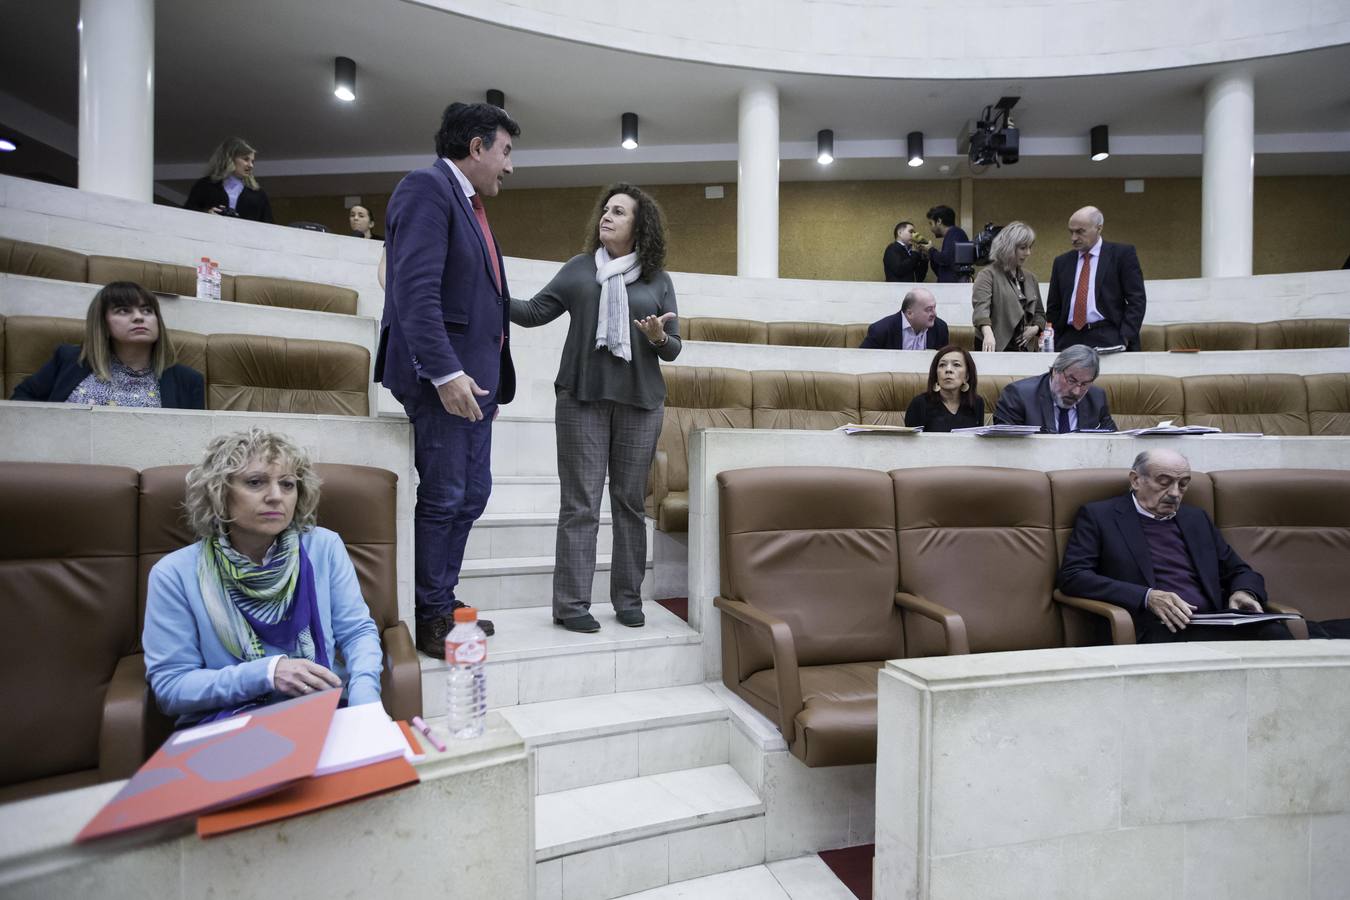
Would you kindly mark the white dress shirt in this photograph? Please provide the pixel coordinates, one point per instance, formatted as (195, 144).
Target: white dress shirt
(911, 339)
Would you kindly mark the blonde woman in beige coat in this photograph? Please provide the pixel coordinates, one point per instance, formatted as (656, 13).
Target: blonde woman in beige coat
(1008, 311)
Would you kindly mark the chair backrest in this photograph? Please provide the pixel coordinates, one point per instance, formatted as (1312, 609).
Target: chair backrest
(806, 334)
(729, 331)
(804, 400)
(1270, 404)
(1141, 401)
(961, 336)
(1292, 526)
(814, 546)
(153, 276)
(883, 397)
(854, 332)
(274, 374)
(979, 541)
(1293, 334)
(699, 397)
(1211, 336)
(294, 294)
(1328, 403)
(990, 386)
(30, 342)
(41, 261)
(1153, 338)
(68, 595)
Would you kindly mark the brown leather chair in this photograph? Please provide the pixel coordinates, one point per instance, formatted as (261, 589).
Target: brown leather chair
(1294, 334)
(1328, 403)
(989, 387)
(41, 261)
(1270, 404)
(1153, 338)
(806, 334)
(696, 397)
(808, 603)
(72, 678)
(1141, 401)
(728, 331)
(294, 294)
(1211, 336)
(804, 400)
(854, 332)
(153, 276)
(962, 336)
(884, 396)
(273, 374)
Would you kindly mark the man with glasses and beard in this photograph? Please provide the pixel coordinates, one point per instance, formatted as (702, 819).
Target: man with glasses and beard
(1062, 400)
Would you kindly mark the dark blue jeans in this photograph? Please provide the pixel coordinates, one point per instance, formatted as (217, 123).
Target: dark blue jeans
(453, 459)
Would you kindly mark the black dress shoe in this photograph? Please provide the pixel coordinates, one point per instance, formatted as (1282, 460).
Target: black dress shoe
(583, 624)
(633, 618)
(485, 624)
(431, 636)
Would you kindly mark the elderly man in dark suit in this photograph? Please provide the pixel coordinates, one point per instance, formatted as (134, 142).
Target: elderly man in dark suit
(1162, 561)
(1060, 401)
(444, 350)
(915, 327)
(1096, 294)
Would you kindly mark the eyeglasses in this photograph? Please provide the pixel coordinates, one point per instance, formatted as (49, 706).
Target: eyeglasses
(1074, 382)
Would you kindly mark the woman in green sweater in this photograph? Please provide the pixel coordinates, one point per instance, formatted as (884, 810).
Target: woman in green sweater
(611, 396)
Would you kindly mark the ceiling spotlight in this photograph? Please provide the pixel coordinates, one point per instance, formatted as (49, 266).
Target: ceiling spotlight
(344, 79)
(7, 146)
(914, 143)
(825, 146)
(1101, 144)
(628, 129)
(496, 98)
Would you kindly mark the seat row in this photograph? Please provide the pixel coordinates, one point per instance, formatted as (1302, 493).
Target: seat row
(828, 572)
(79, 542)
(1288, 334)
(242, 371)
(708, 397)
(43, 261)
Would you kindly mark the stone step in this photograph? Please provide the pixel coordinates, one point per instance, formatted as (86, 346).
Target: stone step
(525, 534)
(514, 582)
(592, 740)
(531, 660)
(612, 839)
(524, 445)
(528, 494)
(803, 878)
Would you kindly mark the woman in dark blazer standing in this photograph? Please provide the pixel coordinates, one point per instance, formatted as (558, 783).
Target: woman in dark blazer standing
(229, 188)
(951, 400)
(127, 359)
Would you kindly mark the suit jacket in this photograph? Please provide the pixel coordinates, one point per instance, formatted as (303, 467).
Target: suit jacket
(1119, 286)
(180, 387)
(996, 303)
(943, 262)
(1107, 557)
(442, 310)
(903, 264)
(888, 334)
(1029, 402)
(207, 194)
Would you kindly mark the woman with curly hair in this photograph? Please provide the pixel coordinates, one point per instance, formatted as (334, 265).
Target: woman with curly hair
(264, 607)
(228, 188)
(610, 396)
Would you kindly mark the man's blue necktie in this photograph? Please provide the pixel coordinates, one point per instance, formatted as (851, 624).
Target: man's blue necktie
(1064, 421)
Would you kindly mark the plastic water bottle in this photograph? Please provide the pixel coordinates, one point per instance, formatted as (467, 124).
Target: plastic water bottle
(466, 684)
(1048, 339)
(204, 279)
(215, 279)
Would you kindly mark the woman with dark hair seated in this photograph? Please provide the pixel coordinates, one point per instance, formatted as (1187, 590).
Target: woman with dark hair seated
(611, 396)
(266, 605)
(127, 359)
(951, 400)
(228, 188)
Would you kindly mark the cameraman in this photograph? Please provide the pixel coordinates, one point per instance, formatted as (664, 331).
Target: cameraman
(942, 219)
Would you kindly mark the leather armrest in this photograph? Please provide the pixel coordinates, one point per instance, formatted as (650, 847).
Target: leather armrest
(953, 626)
(1119, 619)
(1297, 627)
(401, 681)
(784, 650)
(121, 736)
(660, 480)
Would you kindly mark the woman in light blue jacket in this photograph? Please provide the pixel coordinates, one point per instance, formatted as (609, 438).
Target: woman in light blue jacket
(259, 609)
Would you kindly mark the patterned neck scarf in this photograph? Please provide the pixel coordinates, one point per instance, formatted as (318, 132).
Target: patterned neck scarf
(614, 323)
(273, 602)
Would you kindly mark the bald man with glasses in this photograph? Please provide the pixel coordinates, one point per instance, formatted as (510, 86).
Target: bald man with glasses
(1062, 400)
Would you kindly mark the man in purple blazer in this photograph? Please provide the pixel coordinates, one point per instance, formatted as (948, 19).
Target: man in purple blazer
(444, 348)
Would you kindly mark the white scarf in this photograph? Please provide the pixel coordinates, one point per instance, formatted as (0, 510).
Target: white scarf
(612, 326)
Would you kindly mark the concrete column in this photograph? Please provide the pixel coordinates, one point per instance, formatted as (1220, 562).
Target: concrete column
(117, 97)
(1226, 185)
(757, 183)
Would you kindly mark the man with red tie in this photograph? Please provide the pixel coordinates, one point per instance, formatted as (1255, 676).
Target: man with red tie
(1096, 294)
(444, 348)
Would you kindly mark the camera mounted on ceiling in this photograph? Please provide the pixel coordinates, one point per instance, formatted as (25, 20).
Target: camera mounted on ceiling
(993, 138)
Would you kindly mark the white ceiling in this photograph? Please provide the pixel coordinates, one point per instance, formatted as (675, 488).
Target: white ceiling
(264, 70)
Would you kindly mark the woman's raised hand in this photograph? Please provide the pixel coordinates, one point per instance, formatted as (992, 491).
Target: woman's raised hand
(654, 327)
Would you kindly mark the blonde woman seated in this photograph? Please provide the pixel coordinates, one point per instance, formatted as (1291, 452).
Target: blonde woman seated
(1008, 311)
(264, 607)
(127, 359)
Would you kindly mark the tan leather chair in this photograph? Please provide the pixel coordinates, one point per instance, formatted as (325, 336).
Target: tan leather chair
(1328, 403)
(1153, 338)
(854, 332)
(153, 276)
(962, 336)
(884, 396)
(1270, 404)
(294, 294)
(272, 374)
(989, 387)
(804, 400)
(1294, 334)
(71, 674)
(1292, 526)
(1141, 401)
(41, 261)
(807, 603)
(806, 334)
(1211, 336)
(727, 331)
(696, 397)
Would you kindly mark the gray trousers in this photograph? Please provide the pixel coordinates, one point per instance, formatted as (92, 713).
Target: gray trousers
(595, 436)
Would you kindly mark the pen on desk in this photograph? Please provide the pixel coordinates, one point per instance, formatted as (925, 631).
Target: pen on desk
(423, 727)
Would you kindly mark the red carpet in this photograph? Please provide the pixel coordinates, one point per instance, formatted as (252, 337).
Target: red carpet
(852, 866)
(678, 605)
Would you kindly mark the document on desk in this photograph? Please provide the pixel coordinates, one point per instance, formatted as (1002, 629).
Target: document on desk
(1237, 617)
(854, 428)
(360, 736)
(999, 430)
